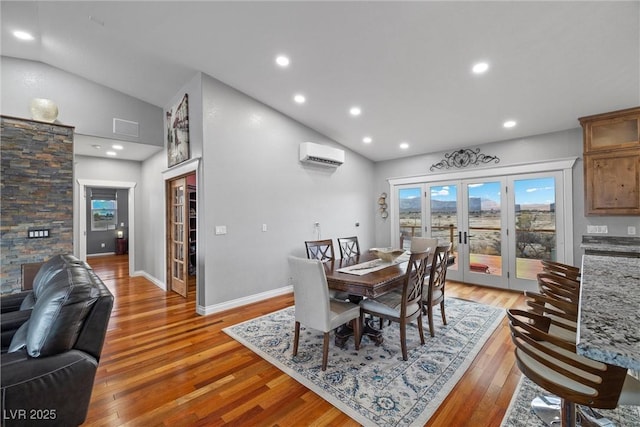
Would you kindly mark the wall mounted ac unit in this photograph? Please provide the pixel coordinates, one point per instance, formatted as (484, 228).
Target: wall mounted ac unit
(321, 154)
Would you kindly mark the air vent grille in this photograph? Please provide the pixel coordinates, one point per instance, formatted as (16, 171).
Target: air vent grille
(126, 127)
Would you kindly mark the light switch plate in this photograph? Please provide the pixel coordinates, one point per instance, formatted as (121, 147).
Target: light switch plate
(631, 230)
(221, 229)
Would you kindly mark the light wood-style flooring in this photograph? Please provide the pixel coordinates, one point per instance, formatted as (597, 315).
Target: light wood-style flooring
(164, 365)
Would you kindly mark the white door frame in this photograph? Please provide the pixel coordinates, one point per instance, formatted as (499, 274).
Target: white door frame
(80, 222)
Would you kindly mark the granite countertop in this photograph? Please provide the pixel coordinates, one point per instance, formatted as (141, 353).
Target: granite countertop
(610, 310)
(611, 244)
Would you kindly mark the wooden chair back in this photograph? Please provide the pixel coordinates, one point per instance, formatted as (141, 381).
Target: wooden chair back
(349, 246)
(320, 249)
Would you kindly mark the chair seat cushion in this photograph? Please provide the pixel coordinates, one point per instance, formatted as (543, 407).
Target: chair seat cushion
(377, 308)
(342, 312)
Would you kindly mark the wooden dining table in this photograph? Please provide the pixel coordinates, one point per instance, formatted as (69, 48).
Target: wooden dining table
(370, 285)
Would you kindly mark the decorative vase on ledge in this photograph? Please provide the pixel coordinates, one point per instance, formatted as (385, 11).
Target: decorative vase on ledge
(44, 110)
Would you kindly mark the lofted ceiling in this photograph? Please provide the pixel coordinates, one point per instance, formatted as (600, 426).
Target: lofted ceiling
(407, 65)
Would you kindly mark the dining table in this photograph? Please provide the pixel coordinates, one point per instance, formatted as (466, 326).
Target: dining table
(352, 276)
(609, 314)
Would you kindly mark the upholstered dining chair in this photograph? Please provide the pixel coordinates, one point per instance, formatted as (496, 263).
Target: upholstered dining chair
(421, 244)
(409, 307)
(314, 308)
(323, 250)
(349, 246)
(433, 294)
(554, 365)
(320, 249)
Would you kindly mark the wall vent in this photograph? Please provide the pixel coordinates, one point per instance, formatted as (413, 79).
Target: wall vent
(126, 127)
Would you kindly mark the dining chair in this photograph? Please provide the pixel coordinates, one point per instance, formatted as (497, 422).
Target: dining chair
(554, 365)
(409, 307)
(314, 308)
(433, 294)
(421, 244)
(323, 250)
(349, 246)
(320, 249)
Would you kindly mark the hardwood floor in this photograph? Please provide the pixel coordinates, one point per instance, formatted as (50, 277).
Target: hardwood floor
(163, 365)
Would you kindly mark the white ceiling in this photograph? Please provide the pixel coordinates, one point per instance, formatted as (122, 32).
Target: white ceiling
(406, 64)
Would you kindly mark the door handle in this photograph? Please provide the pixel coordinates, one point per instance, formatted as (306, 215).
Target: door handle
(459, 236)
(465, 237)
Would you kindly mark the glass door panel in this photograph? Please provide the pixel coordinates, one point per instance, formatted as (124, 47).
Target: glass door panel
(409, 214)
(485, 221)
(443, 209)
(535, 202)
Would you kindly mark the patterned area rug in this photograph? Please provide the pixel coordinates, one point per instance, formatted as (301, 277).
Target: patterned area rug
(520, 414)
(374, 386)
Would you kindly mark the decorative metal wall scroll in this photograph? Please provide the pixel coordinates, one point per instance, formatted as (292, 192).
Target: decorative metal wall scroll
(463, 158)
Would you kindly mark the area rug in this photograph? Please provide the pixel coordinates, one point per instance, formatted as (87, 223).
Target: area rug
(520, 414)
(374, 386)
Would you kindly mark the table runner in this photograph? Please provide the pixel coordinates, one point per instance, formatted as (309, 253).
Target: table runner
(370, 266)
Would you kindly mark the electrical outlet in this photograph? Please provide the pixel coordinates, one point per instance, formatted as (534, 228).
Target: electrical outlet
(631, 230)
(102, 245)
(264, 227)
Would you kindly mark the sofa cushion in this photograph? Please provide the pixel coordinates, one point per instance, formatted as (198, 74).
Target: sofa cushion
(58, 314)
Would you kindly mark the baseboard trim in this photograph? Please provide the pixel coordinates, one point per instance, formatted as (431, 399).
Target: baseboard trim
(150, 278)
(239, 302)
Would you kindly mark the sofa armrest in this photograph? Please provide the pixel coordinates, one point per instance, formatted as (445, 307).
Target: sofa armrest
(12, 302)
(67, 378)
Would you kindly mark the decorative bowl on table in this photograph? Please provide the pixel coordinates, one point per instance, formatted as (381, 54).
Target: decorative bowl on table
(386, 254)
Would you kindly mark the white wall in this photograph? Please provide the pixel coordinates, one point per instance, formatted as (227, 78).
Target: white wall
(250, 175)
(88, 106)
(552, 146)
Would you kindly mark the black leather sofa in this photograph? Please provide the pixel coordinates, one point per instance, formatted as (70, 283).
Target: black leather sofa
(52, 338)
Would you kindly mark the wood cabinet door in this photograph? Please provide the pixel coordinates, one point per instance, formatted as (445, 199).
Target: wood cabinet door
(612, 183)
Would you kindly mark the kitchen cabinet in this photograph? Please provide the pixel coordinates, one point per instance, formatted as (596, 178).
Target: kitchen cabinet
(612, 162)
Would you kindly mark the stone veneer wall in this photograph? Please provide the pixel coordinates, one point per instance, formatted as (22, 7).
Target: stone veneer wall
(36, 185)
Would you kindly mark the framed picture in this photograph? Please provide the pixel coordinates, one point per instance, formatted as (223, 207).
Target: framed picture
(178, 132)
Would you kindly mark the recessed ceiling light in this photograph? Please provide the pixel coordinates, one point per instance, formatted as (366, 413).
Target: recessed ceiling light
(111, 153)
(282, 61)
(22, 35)
(480, 67)
(509, 123)
(404, 145)
(96, 146)
(300, 99)
(355, 111)
(367, 140)
(117, 147)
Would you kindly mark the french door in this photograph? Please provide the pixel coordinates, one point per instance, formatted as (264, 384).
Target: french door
(500, 227)
(178, 242)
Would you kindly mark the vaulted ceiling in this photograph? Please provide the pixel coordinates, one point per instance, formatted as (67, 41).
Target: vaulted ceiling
(406, 65)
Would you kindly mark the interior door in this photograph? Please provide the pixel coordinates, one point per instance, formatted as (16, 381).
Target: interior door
(178, 236)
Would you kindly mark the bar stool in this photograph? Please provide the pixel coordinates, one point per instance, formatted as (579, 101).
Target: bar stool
(564, 270)
(553, 364)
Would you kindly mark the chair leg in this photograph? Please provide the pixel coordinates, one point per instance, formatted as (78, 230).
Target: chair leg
(296, 336)
(403, 340)
(444, 318)
(420, 330)
(325, 351)
(359, 338)
(430, 317)
(568, 413)
(357, 332)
